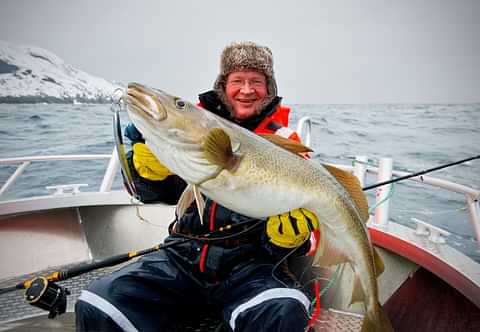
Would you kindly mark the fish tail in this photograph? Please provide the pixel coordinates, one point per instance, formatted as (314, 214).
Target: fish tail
(376, 321)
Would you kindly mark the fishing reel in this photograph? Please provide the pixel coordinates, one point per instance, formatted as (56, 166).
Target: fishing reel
(47, 295)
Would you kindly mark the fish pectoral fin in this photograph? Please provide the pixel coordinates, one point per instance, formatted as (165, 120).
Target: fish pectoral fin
(218, 150)
(353, 187)
(287, 144)
(358, 295)
(379, 265)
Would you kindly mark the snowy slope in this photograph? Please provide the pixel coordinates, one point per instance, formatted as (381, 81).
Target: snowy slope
(31, 74)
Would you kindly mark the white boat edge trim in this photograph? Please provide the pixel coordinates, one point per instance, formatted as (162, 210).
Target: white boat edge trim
(100, 303)
(284, 132)
(270, 294)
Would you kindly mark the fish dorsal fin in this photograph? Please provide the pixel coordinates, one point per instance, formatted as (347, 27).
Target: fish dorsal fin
(190, 194)
(353, 187)
(218, 149)
(287, 144)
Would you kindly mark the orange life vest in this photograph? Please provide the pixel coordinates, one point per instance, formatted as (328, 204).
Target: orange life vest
(277, 123)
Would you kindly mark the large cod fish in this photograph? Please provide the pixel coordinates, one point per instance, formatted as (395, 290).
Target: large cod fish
(260, 177)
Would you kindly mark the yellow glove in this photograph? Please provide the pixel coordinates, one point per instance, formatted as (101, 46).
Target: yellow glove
(147, 165)
(291, 229)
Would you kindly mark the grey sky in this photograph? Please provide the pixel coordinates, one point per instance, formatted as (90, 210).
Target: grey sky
(351, 51)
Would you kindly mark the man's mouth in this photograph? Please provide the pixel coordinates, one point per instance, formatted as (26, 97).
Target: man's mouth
(246, 101)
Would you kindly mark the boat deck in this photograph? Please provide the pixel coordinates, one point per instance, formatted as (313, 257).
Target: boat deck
(16, 315)
(329, 320)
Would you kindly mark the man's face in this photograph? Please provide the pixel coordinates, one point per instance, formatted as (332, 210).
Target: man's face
(246, 90)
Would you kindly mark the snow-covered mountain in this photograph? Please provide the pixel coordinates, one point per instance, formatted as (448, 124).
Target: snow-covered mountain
(32, 74)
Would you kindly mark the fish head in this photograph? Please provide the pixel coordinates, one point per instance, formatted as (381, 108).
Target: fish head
(173, 129)
(155, 110)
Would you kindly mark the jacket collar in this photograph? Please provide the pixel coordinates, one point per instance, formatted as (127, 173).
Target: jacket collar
(211, 102)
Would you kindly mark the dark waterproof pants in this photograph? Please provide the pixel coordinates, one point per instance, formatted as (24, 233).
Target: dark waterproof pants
(154, 294)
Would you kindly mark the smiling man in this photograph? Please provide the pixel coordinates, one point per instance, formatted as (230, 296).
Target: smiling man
(245, 277)
(246, 85)
(245, 92)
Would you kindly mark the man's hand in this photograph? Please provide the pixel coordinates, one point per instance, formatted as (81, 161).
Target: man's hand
(147, 165)
(291, 229)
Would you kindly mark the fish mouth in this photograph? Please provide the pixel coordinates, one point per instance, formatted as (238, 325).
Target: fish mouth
(145, 101)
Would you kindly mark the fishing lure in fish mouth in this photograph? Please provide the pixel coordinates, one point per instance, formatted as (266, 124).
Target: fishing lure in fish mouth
(117, 96)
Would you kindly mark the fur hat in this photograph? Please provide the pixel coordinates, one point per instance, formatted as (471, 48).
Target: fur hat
(246, 56)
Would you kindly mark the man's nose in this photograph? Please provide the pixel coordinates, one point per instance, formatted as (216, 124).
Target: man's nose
(246, 87)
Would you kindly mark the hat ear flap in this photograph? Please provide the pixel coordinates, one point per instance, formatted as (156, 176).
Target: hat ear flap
(272, 88)
(219, 88)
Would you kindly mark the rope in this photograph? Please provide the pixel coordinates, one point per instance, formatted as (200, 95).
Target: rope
(386, 198)
(369, 162)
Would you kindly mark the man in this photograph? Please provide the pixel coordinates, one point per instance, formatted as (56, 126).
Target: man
(244, 276)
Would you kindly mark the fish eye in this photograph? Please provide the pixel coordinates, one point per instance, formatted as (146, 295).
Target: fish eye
(180, 104)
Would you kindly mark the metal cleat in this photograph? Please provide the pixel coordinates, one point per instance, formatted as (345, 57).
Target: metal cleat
(435, 234)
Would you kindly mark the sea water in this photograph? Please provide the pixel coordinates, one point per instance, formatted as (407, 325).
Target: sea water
(416, 137)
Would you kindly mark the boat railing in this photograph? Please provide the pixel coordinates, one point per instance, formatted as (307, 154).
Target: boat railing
(384, 172)
(108, 178)
(360, 168)
(304, 130)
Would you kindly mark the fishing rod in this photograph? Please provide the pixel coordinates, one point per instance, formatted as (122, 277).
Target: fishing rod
(419, 173)
(44, 293)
